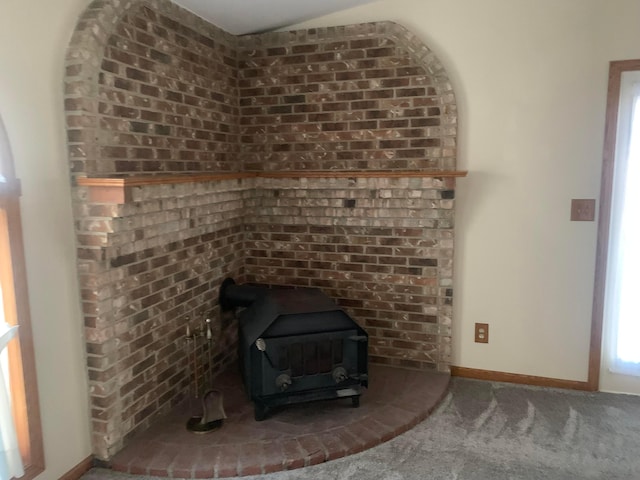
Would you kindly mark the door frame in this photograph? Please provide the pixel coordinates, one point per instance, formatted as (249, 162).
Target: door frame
(616, 69)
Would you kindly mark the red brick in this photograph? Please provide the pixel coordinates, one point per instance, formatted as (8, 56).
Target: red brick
(333, 445)
(313, 449)
(227, 463)
(293, 454)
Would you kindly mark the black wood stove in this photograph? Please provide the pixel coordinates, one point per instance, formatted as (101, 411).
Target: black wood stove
(296, 345)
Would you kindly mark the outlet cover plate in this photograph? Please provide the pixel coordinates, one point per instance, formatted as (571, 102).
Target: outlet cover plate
(482, 333)
(583, 210)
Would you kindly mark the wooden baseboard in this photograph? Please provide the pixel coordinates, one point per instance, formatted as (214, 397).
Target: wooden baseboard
(518, 378)
(80, 469)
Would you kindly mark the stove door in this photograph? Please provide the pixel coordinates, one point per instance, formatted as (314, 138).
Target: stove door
(308, 362)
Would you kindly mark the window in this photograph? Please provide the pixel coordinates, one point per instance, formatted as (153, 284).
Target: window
(622, 313)
(19, 366)
(611, 366)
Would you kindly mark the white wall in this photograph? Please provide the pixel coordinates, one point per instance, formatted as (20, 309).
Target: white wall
(34, 35)
(530, 80)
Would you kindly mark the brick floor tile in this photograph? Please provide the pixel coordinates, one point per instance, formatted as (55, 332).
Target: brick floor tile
(397, 419)
(227, 461)
(293, 454)
(272, 457)
(363, 430)
(352, 443)
(185, 462)
(162, 460)
(333, 444)
(314, 451)
(250, 459)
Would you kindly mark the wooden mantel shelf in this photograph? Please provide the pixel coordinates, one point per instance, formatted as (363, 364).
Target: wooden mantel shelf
(142, 180)
(113, 189)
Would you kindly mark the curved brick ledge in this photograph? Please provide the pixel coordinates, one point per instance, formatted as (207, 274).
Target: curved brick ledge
(294, 437)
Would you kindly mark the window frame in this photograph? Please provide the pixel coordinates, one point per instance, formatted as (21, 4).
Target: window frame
(22, 370)
(616, 68)
(627, 105)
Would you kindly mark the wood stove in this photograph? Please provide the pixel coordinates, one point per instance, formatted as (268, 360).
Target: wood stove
(296, 345)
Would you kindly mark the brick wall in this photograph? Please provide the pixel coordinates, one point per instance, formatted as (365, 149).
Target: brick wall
(168, 98)
(152, 89)
(382, 247)
(148, 269)
(343, 98)
(359, 97)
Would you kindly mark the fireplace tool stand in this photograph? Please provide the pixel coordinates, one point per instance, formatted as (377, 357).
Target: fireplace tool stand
(211, 402)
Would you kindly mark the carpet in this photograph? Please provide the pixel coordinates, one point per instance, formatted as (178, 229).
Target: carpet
(494, 431)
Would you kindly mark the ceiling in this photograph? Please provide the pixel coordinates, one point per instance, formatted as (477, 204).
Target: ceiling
(250, 16)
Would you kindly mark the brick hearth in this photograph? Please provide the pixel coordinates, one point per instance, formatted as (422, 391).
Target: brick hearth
(293, 437)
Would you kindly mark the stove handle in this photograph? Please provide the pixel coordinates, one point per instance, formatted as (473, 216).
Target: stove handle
(358, 338)
(261, 345)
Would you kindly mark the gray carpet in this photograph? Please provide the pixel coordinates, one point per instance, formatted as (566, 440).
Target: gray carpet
(485, 430)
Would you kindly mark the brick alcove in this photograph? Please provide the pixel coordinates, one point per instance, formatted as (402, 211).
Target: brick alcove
(321, 157)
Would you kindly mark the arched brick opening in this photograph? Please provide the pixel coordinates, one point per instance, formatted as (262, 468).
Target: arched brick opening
(153, 91)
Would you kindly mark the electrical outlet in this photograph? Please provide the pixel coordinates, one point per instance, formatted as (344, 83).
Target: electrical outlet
(482, 333)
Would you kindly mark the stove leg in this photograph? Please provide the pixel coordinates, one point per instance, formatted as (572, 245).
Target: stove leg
(355, 401)
(259, 411)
